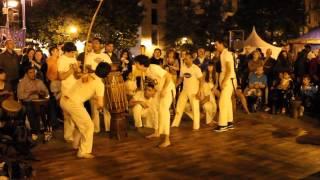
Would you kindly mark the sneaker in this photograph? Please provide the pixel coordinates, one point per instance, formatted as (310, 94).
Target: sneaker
(230, 125)
(267, 109)
(221, 129)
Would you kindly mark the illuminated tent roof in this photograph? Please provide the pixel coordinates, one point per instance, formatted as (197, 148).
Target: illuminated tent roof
(254, 41)
(312, 37)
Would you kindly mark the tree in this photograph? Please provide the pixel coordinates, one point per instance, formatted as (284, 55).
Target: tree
(272, 18)
(201, 21)
(118, 20)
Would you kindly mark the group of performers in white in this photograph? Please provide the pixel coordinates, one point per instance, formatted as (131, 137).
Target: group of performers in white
(150, 106)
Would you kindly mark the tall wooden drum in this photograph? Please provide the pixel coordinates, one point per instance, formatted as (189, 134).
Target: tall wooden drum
(116, 102)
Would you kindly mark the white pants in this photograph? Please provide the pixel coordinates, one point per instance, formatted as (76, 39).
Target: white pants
(210, 108)
(182, 101)
(96, 119)
(68, 125)
(145, 117)
(83, 123)
(164, 109)
(225, 105)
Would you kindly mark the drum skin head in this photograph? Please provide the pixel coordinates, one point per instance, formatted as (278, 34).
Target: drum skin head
(11, 105)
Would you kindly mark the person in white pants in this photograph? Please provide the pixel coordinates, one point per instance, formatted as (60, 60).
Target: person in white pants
(208, 100)
(73, 103)
(67, 68)
(92, 60)
(143, 108)
(165, 95)
(227, 81)
(191, 76)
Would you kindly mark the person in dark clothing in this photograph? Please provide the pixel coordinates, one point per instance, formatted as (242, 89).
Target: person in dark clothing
(9, 61)
(243, 70)
(283, 64)
(201, 59)
(301, 64)
(269, 63)
(156, 57)
(80, 57)
(109, 51)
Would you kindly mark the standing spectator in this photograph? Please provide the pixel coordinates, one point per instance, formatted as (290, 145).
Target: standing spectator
(26, 61)
(172, 65)
(9, 61)
(268, 66)
(126, 63)
(81, 56)
(301, 64)
(283, 64)
(255, 62)
(156, 57)
(313, 70)
(202, 61)
(109, 50)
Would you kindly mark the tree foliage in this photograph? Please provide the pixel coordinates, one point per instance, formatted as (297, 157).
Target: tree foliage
(117, 21)
(272, 18)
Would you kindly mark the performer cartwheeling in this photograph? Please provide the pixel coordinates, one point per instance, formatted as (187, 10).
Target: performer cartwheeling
(88, 86)
(165, 95)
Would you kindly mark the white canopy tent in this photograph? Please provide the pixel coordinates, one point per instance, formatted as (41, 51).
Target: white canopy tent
(254, 41)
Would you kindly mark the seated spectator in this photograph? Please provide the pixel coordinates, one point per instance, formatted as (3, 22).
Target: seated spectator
(307, 93)
(282, 92)
(144, 109)
(257, 84)
(30, 88)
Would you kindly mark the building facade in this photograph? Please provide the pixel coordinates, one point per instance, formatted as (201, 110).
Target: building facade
(312, 11)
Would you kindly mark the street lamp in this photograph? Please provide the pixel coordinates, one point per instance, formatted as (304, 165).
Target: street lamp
(12, 3)
(73, 29)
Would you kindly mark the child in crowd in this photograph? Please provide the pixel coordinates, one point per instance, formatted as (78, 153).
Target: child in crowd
(307, 93)
(282, 93)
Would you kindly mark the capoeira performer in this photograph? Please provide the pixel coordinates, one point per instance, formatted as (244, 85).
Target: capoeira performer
(92, 60)
(227, 81)
(88, 86)
(208, 100)
(191, 76)
(165, 95)
(144, 107)
(67, 69)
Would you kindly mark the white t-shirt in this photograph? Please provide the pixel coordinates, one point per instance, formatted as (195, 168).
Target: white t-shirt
(191, 77)
(82, 92)
(157, 73)
(64, 63)
(94, 59)
(226, 57)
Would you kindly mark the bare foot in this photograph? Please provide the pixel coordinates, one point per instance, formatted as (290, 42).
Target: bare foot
(154, 135)
(164, 144)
